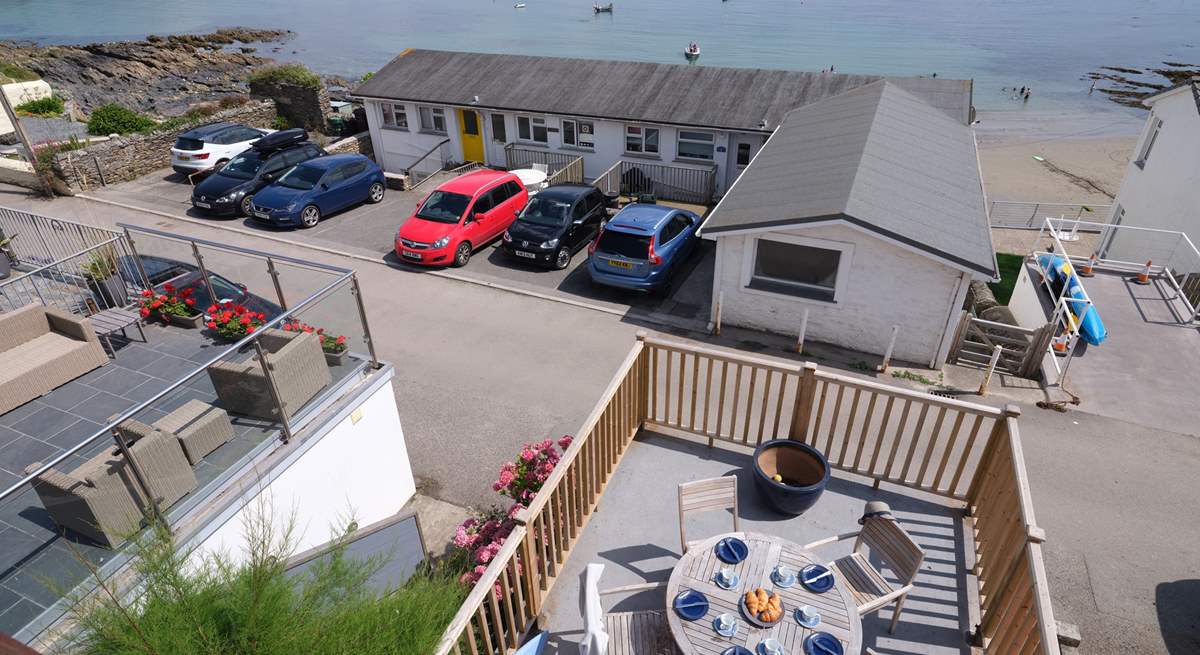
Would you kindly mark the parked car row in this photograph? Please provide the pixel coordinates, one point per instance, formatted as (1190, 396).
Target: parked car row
(640, 248)
(280, 178)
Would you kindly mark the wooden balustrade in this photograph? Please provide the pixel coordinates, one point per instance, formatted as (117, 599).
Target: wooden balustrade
(572, 172)
(518, 157)
(957, 449)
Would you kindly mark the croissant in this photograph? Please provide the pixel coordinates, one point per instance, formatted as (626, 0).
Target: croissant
(771, 615)
(752, 602)
(762, 596)
(774, 602)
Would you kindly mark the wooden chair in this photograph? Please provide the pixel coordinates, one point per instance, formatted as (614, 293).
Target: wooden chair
(622, 633)
(887, 540)
(704, 496)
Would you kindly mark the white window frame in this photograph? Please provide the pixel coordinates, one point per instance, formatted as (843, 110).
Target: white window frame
(434, 113)
(711, 142)
(845, 262)
(533, 122)
(1156, 125)
(642, 138)
(576, 124)
(393, 110)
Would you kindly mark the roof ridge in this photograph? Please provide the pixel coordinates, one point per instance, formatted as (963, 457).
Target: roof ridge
(883, 86)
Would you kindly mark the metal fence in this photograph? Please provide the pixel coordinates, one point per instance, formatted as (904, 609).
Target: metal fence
(518, 157)
(41, 240)
(666, 182)
(101, 277)
(1029, 215)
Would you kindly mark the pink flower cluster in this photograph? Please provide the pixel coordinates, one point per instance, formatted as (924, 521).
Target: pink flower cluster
(481, 537)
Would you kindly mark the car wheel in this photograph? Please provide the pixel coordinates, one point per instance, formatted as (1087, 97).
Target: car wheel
(375, 194)
(562, 258)
(245, 206)
(462, 255)
(310, 216)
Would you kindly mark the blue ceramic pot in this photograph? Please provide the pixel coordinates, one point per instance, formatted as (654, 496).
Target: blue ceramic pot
(804, 470)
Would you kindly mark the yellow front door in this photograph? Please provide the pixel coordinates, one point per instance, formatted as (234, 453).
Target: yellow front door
(472, 135)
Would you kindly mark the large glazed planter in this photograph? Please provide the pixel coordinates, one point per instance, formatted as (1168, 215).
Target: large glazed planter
(804, 470)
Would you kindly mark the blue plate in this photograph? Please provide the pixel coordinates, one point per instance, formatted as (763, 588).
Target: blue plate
(814, 579)
(822, 643)
(690, 604)
(731, 550)
(736, 650)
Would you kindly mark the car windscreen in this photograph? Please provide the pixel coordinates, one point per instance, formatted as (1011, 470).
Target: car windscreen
(633, 246)
(302, 177)
(184, 143)
(546, 211)
(444, 207)
(243, 167)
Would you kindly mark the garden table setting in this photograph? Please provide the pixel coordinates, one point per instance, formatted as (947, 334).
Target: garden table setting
(531, 178)
(744, 593)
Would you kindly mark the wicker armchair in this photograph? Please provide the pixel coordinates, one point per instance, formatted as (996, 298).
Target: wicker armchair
(162, 460)
(297, 367)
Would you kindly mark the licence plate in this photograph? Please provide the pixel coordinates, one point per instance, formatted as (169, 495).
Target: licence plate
(522, 253)
(620, 264)
(203, 205)
(184, 157)
(262, 214)
(410, 255)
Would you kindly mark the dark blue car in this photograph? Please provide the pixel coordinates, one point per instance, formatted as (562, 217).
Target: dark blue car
(643, 246)
(318, 188)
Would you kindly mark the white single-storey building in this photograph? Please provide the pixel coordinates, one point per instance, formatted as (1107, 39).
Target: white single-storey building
(866, 209)
(676, 115)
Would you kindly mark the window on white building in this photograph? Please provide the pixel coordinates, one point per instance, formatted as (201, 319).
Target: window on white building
(499, 133)
(433, 119)
(394, 116)
(533, 129)
(577, 133)
(695, 145)
(1151, 137)
(641, 139)
(797, 269)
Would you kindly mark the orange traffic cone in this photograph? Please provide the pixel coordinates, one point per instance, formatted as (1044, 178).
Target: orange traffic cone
(1086, 269)
(1144, 276)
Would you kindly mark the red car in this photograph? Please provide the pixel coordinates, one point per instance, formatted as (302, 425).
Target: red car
(459, 217)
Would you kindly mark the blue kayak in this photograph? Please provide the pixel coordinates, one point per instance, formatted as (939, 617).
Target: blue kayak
(1060, 272)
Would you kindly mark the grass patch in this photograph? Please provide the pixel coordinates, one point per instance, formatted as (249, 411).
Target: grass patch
(297, 74)
(1010, 267)
(115, 119)
(15, 73)
(48, 106)
(916, 377)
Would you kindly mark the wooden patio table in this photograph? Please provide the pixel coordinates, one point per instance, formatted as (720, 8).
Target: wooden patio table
(698, 569)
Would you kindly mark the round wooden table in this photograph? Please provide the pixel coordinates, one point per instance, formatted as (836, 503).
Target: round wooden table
(698, 568)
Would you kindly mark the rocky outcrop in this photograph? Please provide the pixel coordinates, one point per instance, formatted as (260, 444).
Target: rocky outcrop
(160, 75)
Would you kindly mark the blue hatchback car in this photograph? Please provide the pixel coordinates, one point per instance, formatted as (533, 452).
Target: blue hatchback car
(318, 188)
(643, 246)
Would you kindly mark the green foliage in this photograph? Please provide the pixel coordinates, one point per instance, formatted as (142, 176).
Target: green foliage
(861, 365)
(11, 71)
(48, 106)
(280, 123)
(367, 76)
(217, 606)
(1010, 267)
(44, 155)
(101, 264)
(115, 119)
(915, 377)
(297, 74)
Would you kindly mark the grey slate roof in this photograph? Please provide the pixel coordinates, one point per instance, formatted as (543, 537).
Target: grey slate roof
(678, 94)
(878, 157)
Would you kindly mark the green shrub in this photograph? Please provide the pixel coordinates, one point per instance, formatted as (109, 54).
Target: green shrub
(48, 106)
(115, 119)
(217, 606)
(43, 155)
(367, 76)
(297, 74)
(280, 123)
(17, 73)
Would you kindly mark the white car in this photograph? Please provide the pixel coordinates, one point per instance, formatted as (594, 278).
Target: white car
(211, 146)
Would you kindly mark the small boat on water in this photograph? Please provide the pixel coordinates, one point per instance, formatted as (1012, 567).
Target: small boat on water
(603, 9)
(519, 5)
(692, 51)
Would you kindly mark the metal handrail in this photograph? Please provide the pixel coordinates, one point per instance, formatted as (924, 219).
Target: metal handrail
(130, 413)
(238, 249)
(408, 170)
(60, 261)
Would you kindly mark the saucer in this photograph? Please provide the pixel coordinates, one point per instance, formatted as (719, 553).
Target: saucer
(725, 633)
(783, 582)
(812, 623)
(732, 584)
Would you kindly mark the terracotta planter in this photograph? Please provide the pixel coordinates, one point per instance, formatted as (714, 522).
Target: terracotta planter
(335, 359)
(189, 322)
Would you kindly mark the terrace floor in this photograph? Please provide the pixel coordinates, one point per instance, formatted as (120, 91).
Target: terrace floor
(634, 531)
(38, 561)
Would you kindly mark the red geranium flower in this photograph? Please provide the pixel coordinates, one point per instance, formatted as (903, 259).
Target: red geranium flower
(146, 293)
(189, 301)
(212, 325)
(249, 329)
(145, 312)
(169, 288)
(212, 309)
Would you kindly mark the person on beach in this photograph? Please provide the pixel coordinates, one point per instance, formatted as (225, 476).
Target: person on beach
(1021, 92)
(1028, 92)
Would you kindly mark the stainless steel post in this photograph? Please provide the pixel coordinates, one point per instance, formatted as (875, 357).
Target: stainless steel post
(275, 279)
(362, 315)
(137, 260)
(284, 420)
(138, 476)
(212, 295)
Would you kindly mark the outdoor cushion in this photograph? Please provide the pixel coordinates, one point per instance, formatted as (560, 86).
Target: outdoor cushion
(22, 325)
(35, 353)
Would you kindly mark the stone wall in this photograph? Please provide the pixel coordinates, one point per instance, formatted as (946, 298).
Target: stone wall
(129, 157)
(358, 144)
(302, 106)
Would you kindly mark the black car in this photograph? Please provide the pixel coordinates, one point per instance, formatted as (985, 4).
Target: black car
(185, 275)
(230, 190)
(558, 222)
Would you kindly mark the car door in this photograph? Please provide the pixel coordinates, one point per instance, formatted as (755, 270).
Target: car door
(329, 192)
(272, 169)
(596, 215)
(510, 200)
(671, 244)
(357, 182)
(477, 225)
(577, 229)
(501, 214)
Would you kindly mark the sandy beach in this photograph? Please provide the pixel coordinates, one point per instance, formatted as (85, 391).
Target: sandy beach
(1085, 155)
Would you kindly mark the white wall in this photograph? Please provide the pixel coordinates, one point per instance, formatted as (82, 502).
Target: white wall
(885, 285)
(397, 150)
(360, 466)
(1166, 193)
(20, 93)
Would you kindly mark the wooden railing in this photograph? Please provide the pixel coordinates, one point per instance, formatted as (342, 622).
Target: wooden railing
(962, 450)
(1021, 349)
(610, 180)
(572, 172)
(518, 157)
